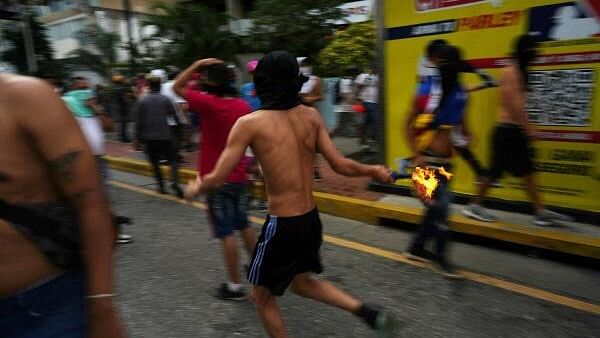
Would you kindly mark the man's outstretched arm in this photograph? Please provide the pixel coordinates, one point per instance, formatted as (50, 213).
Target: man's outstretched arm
(70, 165)
(343, 165)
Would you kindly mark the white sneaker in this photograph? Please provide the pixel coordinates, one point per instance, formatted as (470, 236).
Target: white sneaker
(548, 217)
(478, 212)
(124, 239)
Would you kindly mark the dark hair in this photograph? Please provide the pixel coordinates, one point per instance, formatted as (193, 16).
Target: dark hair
(433, 47)
(352, 70)
(220, 77)
(172, 72)
(525, 52)
(154, 83)
(277, 80)
(451, 63)
(78, 82)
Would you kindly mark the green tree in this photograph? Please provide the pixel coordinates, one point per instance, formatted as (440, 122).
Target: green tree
(44, 53)
(98, 50)
(302, 28)
(187, 31)
(354, 46)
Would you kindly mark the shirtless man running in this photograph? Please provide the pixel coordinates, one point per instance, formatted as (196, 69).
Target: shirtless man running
(47, 169)
(285, 136)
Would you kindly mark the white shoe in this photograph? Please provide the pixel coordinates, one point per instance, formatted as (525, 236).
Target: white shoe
(548, 217)
(478, 212)
(124, 239)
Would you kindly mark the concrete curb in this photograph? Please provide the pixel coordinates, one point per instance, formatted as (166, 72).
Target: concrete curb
(371, 212)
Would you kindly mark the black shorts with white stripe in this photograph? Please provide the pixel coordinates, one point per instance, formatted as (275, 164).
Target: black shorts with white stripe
(287, 246)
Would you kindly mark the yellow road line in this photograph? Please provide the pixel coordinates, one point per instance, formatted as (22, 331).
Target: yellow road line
(398, 257)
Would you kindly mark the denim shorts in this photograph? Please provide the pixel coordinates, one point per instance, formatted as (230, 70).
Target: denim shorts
(55, 308)
(227, 208)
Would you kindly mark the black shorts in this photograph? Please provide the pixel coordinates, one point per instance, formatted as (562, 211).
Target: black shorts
(510, 151)
(287, 246)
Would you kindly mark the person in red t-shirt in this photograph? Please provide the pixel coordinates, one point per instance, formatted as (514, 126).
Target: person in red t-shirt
(220, 109)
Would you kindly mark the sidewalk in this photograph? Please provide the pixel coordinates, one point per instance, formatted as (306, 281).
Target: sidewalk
(349, 197)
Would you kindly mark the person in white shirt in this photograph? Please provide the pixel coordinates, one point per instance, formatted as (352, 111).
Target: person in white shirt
(344, 101)
(182, 130)
(368, 92)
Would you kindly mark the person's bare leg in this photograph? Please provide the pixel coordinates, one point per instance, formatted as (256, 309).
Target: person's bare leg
(304, 285)
(249, 237)
(533, 193)
(268, 311)
(230, 255)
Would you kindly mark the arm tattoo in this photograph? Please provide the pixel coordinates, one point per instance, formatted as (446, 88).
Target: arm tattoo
(4, 177)
(64, 166)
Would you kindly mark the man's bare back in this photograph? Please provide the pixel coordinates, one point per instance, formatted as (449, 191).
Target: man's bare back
(285, 143)
(45, 160)
(23, 180)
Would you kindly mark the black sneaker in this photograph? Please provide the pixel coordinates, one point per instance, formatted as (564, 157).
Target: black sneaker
(447, 270)
(317, 176)
(224, 293)
(420, 255)
(385, 325)
(123, 220)
(378, 320)
(177, 190)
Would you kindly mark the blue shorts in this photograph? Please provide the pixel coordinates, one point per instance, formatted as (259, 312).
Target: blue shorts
(55, 308)
(227, 208)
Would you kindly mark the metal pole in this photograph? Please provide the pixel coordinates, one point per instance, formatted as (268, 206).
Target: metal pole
(29, 45)
(132, 49)
(381, 72)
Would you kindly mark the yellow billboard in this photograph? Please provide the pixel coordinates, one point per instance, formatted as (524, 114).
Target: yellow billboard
(563, 103)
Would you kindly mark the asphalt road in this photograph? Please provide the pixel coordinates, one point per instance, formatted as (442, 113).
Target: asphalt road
(168, 277)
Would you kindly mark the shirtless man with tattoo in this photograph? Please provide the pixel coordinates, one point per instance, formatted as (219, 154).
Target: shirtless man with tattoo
(56, 238)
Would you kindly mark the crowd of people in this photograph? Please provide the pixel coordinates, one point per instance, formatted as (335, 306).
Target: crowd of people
(272, 131)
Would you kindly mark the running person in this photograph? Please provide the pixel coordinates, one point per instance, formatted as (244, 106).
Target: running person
(227, 206)
(511, 144)
(285, 136)
(430, 141)
(427, 74)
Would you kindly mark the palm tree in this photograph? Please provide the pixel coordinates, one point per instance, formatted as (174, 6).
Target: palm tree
(186, 31)
(99, 52)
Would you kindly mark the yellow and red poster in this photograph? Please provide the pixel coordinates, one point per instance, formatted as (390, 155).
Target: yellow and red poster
(563, 104)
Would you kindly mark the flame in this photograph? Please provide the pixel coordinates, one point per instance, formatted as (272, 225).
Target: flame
(426, 182)
(443, 171)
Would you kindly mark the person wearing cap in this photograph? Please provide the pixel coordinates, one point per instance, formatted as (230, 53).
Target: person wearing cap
(310, 93)
(248, 91)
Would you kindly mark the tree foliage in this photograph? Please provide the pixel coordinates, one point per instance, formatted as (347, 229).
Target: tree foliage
(44, 52)
(99, 50)
(354, 46)
(302, 28)
(187, 31)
